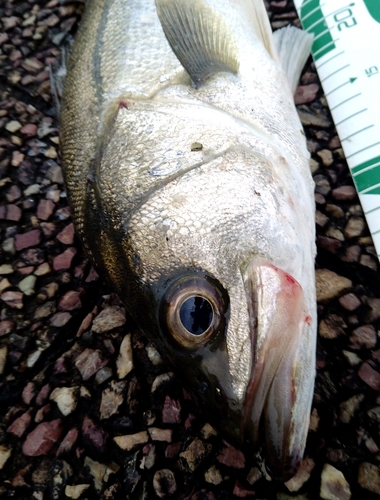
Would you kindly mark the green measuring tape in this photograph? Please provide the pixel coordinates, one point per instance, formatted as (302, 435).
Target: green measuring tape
(346, 51)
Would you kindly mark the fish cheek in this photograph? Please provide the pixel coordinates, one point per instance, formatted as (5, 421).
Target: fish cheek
(206, 375)
(194, 341)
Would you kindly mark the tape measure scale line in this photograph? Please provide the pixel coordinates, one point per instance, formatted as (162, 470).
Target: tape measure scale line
(328, 60)
(345, 51)
(313, 22)
(356, 133)
(351, 116)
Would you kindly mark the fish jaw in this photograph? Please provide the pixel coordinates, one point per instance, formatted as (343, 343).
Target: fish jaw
(242, 378)
(279, 394)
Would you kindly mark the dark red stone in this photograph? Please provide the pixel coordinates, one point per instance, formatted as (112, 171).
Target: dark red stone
(64, 260)
(68, 442)
(29, 239)
(171, 412)
(369, 375)
(6, 326)
(89, 362)
(231, 457)
(42, 439)
(66, 236)
(19, 426)
(12, 213)
(43, 394)
(344, 193)
(71, 301)
(94, 434)
(45, 209)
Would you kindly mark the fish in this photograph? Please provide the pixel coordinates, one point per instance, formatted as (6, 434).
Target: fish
(188, 178)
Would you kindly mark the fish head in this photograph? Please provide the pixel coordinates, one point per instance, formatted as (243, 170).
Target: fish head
(209, 278)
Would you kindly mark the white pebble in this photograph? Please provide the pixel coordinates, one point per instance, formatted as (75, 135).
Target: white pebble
(124, 362)
(5, 453)
(334, 485)
(66, 399)
(75, 491)
(27, 285)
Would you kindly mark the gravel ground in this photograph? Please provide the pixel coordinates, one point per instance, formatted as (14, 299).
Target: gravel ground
(88, 409)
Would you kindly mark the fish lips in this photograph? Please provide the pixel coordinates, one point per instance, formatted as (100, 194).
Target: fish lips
(276, 406)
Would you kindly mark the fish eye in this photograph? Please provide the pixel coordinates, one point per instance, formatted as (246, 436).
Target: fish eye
(196, 314)
(193, 310)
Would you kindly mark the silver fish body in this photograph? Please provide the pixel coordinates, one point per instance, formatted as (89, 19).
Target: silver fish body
(191, 191)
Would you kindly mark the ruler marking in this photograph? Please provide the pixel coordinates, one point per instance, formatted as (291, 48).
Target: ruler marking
(368, 181)
(335, 72)
(324, 19)
(370, 188)
(372, 210)
(375, 190)
(365, 164)
(351, 116)
(312, 12)
(309, 28)
(346, 100)
(337, 88)
(315, 54)
(328, 60)
(322, 34)
(306, 3)
(364, 169)
(350, 80)
(336, 11)
(361, 150)
(357, 132)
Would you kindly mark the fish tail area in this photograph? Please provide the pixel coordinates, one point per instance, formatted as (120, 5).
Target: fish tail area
(203, 34)
(293, 47)
(57, 74)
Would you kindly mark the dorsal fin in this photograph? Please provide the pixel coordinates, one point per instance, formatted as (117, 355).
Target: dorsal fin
(199, 37)
(258, 18)
(293, 47)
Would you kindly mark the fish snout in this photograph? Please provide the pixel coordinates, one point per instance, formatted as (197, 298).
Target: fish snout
(278, 396)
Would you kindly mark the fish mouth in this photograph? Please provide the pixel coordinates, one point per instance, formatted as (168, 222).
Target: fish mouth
(277, 406)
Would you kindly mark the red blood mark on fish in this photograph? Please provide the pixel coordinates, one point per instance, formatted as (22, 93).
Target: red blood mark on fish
(290, 279)
(287, 281)
(123, 104)
(281, 337)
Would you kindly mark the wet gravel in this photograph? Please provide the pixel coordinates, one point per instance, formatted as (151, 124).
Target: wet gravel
(88, 409)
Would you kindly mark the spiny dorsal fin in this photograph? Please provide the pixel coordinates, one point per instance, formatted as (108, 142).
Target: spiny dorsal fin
(199, 37)
(293, 47)
(258, 17)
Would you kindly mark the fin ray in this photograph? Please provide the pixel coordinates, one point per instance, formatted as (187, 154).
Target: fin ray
(258, 17)
(293, 47)
(199, 37)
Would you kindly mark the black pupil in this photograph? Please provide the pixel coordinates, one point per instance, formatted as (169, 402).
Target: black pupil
(196, 315)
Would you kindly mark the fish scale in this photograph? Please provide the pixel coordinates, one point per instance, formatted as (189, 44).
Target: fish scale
(227, 224)
(347, 59)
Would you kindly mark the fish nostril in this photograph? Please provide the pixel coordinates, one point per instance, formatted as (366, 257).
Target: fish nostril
(203, 387)
(196, 314)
